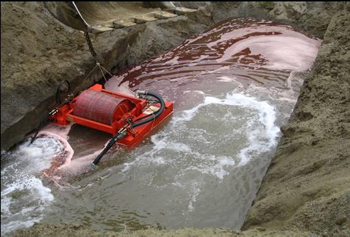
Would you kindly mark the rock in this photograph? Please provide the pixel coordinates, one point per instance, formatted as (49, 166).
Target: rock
(143, 19)
(123, 23)
(163, 15)
(183, 10)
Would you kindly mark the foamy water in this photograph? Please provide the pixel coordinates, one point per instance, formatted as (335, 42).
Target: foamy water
(23, 194)
(233, 87)
(187, 164)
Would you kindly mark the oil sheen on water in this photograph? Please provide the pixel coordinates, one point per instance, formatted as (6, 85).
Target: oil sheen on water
(233, 87)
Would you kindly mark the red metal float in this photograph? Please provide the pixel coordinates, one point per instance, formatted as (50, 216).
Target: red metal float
(111, 112)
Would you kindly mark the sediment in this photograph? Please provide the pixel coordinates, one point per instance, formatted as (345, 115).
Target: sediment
(306, 189)
(307, 186)
(41, 230)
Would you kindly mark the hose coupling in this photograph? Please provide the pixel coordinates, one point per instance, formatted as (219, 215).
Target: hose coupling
(140, 92)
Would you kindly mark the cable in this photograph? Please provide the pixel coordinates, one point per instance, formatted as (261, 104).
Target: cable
(156, 114)
(109, 146)
(122, 132)
(58, 90)
(42, 123)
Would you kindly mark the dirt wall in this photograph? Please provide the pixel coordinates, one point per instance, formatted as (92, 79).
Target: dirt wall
(38, 51)
(307, 185)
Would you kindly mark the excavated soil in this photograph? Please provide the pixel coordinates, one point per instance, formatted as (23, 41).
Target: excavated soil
(38, 52)
(306, 190)
(41, 230)
(308, 183)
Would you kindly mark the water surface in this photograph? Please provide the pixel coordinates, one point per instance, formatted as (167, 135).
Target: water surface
(233, 87)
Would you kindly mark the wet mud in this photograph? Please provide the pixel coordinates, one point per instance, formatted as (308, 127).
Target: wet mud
(311, 162)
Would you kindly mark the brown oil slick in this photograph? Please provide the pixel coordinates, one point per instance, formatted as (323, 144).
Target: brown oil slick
(245, 50)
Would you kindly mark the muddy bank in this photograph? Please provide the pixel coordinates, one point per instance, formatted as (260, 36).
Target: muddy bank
(320, 130)
(312, 17)
(66, 230)
(308, 183)
(38, 51)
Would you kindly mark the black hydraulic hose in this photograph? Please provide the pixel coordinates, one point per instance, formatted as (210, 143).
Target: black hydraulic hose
(41, 125)
(58, 90)
(54, 111)
(152, 116)
(148, 118)
(109, 146)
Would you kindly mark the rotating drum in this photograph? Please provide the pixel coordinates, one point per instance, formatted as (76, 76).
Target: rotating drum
(101, 107)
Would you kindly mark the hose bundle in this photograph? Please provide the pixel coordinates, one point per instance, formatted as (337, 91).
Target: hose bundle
(141, 121)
